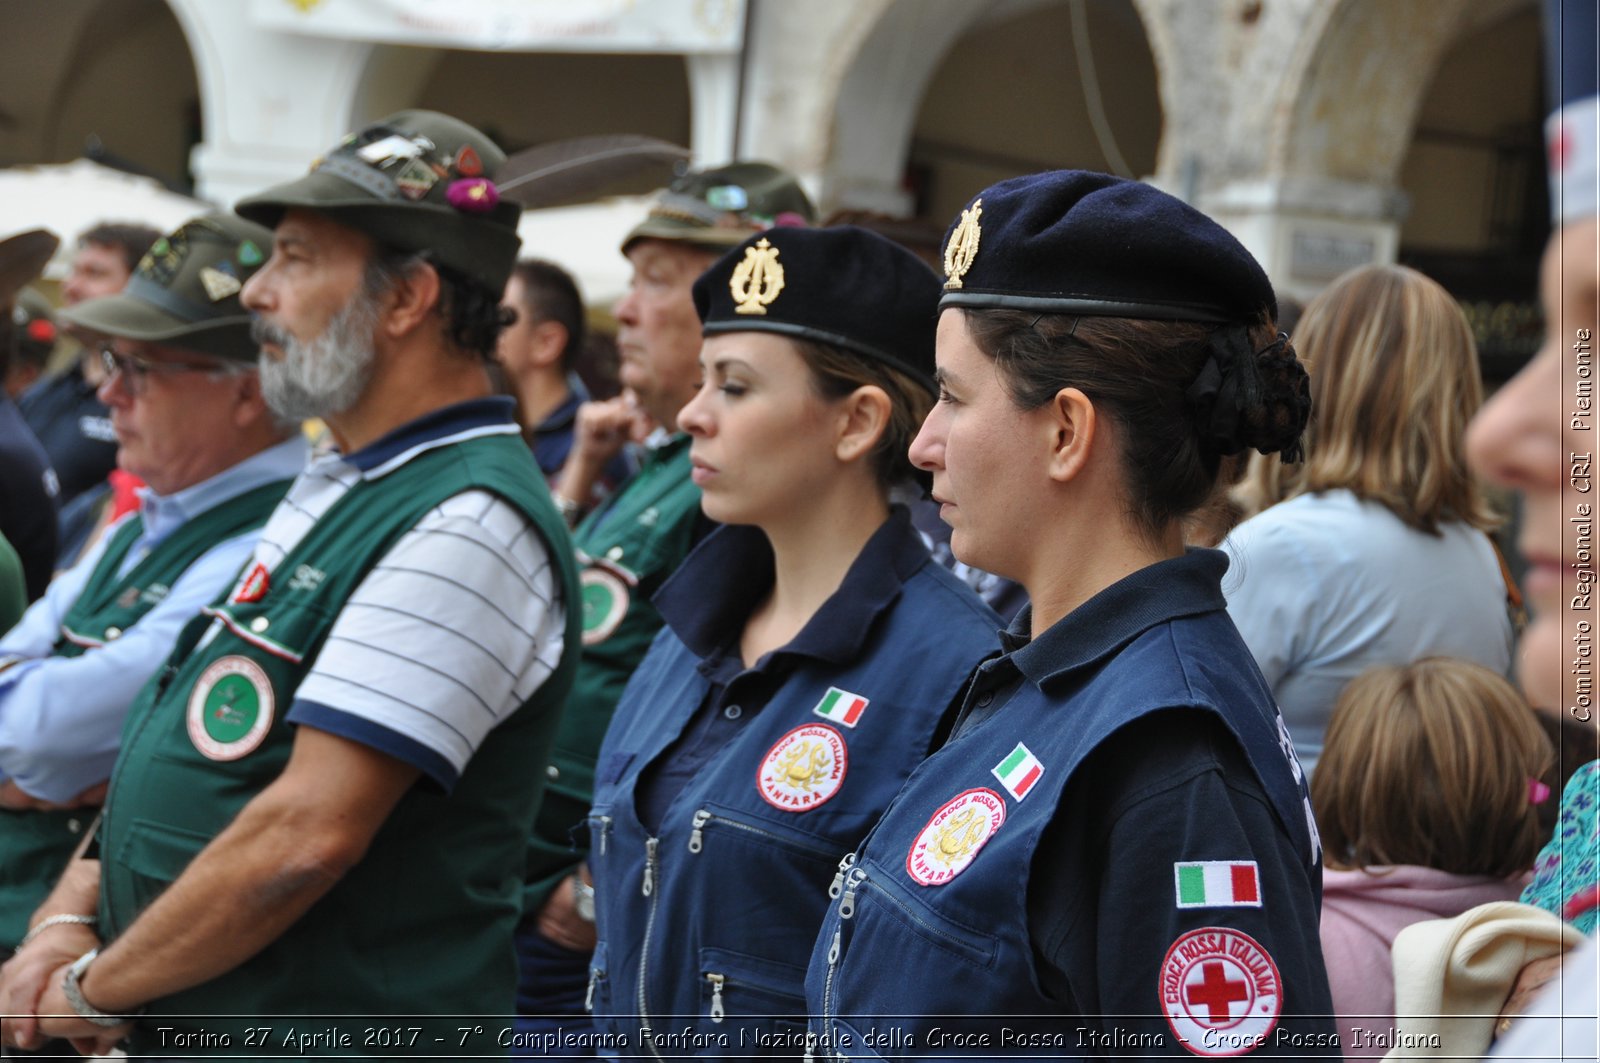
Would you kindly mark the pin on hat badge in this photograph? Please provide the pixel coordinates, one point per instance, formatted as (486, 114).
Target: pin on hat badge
(218, 284)
(415, 181)
(757, 280)
(467, 163)
(963, 245)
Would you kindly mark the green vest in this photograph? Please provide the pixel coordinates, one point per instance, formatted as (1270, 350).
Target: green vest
(35, 846)
(13, 588)
(423, 925)
(627, 549)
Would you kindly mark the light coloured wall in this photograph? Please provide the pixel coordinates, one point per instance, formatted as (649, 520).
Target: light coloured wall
(1008, 99)
(1289, 119)
(119, 69)
(1487, 89)
(528, 98)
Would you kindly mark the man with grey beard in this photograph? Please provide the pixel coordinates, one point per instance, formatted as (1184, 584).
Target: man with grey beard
(325, 374)
(342, 752)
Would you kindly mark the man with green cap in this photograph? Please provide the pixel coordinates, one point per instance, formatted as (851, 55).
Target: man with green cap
(322, 805)
(186, 403)
(629, 546)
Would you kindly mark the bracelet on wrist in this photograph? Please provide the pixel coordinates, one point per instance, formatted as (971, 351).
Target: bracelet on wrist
(72, 989)
(65, 919)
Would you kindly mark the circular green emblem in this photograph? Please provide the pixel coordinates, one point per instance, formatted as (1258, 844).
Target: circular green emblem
(605, 603)
(230, 708)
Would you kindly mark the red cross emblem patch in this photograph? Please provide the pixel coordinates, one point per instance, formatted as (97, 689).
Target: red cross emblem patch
(1220, 991)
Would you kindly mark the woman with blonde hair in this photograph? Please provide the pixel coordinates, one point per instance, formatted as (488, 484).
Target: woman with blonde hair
(1373, 551)
(1426, 795)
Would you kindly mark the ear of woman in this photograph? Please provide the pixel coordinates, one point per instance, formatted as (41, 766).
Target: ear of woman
(863, 418)
(1074, 424)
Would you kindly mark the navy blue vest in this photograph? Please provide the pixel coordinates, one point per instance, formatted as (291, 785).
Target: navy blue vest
(706, 925)
(926, 949)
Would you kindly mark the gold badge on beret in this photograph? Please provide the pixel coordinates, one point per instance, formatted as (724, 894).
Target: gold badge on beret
(757, 280)
(963, 245)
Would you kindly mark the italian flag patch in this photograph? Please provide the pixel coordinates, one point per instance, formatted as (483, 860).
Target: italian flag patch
(841, 706)
(1019, 771)
(1218, 884)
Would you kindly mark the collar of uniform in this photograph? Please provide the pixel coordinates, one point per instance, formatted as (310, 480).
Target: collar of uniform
(164, 514)
(494, 415)
(663, 448)
(562, 417)
(708, 599)
(1179, 586)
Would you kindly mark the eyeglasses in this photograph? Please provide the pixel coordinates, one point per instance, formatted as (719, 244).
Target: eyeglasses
(136, 371)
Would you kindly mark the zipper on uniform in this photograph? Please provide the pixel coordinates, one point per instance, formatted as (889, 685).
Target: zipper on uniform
(716, 980)
(700, 819)
(827, 986)
(704, 816)
(596, 976)
(605, 828)
(838, 879)
(847, 904)
(844, 882)
(648, 888)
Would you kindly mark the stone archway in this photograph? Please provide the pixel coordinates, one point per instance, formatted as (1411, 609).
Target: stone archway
(66, 68)
(881, 85)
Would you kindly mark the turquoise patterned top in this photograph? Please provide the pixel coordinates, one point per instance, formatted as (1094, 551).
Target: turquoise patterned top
(1567, 867)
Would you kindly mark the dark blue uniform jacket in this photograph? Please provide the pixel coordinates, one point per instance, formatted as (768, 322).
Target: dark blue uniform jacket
(1113, 855)
(725, 797)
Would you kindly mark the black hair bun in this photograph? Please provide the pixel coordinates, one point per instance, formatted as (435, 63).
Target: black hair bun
(1248, 398)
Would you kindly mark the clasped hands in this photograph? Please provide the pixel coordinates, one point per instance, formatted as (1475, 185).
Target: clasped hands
(33, 1008)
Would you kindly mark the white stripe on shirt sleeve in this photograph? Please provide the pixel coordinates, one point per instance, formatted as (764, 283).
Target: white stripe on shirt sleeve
(454, 628)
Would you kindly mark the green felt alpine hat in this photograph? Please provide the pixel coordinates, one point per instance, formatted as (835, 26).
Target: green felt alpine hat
(185, 291)
(415, 181)
(719, 208)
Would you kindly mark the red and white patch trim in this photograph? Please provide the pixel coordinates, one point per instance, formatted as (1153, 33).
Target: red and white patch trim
(804, 768)
(254, 586)
(953, 836)
(1220, 991)
(605, 602)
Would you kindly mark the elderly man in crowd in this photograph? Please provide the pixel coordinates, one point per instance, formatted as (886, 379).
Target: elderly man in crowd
(63, 410)
(323, 804)
(186, 402)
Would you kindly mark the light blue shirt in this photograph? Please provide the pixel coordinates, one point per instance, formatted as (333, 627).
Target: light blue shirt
(61, 717)
(1326, 586)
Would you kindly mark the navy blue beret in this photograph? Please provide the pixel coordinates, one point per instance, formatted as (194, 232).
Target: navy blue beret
(843, 286)
(1075, 242)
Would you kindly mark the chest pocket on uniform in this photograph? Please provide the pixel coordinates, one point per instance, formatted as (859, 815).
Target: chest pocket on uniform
(155, 855)
(873, 887)
(769, 991)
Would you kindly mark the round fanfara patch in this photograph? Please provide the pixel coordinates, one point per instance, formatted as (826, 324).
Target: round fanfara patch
(230, 709)
(954, 835)
(1220, 991)
(804, 768)
(605, 603)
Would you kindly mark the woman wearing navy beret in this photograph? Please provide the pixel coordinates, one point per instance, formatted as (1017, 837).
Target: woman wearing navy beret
(811, 646)
(1110, 852)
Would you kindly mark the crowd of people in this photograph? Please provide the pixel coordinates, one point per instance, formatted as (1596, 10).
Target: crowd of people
(845, 672)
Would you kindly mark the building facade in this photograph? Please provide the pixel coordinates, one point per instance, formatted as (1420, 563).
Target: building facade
(1324, 133)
